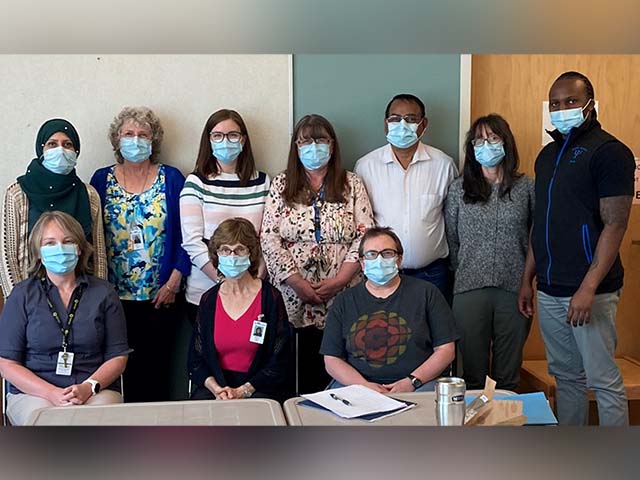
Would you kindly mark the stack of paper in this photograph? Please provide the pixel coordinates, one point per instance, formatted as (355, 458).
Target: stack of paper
(356, 401)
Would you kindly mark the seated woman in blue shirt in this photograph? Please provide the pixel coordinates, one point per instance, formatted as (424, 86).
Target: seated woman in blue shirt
(241, 344)
(63, 339)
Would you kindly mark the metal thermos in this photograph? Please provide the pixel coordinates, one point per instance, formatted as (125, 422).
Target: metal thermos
(450, 406)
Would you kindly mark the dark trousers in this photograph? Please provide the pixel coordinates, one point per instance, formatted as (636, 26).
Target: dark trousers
(310, 372)
(438, 273)
(151, 333)
(493, 336)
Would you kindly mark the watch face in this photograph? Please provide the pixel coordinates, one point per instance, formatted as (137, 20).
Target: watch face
(96, 388)
(416, 382)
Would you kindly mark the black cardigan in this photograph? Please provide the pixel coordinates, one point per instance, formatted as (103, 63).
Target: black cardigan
(271, 371)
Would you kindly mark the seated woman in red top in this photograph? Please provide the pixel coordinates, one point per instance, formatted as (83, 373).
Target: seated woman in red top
(241, 345)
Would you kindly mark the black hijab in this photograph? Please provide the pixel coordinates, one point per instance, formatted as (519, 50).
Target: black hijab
(48, 191)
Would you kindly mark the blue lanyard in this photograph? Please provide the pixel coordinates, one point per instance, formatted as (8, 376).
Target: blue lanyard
(317, 204)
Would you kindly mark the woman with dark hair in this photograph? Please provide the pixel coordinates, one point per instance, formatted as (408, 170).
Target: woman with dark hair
(241, 345)
(314, 218)
(50, 183)
(225, 184)
(488, 214)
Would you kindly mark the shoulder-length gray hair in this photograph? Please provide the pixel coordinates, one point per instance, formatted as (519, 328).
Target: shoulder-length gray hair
(142, 116)
(72, 228)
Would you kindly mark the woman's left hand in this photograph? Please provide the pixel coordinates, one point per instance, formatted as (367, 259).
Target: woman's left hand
(165, 297)
(78, 394)
(328, 288)
(229, 393)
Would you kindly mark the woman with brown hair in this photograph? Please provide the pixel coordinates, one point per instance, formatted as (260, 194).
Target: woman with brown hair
(314, 218)
(488, 214)
(225, 184)
(64, 339)
(241, 344)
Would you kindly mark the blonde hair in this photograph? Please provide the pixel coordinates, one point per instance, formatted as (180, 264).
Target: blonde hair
(70, 227)
(142, 116)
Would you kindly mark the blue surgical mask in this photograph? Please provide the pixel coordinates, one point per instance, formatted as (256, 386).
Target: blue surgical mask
(59, 258)
(59, 160)
(315, 155)
(135, 149)
(226, 151)
(489, 154)
(565, 120)
(232, 266)
(402, 134)
(381, 270)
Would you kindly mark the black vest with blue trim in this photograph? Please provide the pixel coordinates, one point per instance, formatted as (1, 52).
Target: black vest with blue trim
(567, 222)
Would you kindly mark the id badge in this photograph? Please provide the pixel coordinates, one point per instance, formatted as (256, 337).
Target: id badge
(65, 363)
(258, 331)
(136, 239)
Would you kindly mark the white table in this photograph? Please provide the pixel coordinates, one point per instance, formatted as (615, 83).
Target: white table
(423, 414)
(256, 411)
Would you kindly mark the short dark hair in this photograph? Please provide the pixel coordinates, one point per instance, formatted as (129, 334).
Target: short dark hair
(571, 75)
(374, 232)
(406, 97)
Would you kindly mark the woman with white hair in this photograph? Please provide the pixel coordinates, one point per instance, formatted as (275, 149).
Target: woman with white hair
(146, 261)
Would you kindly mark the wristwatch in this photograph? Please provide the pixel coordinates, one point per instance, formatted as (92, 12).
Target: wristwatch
(95, 385)
(415, 381)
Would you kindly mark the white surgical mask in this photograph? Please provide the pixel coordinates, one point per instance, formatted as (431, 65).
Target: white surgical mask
(59, 160)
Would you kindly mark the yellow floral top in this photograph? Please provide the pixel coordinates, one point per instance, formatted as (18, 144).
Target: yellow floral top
(290, 243)
(135, 236)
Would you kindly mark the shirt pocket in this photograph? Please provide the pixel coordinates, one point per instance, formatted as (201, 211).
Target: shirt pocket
(430, 207)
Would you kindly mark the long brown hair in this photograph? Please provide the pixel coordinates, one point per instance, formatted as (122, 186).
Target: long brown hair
(206, 163)
(297, 188)
(475, 185)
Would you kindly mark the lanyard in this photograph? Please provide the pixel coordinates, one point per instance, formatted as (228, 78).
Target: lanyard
(75, 300)
(317, 203)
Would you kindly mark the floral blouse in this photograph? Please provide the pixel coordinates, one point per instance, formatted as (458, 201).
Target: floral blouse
(290, 242)
(135, 237)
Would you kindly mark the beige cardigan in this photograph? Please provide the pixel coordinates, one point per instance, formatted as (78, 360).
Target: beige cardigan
(14, 246)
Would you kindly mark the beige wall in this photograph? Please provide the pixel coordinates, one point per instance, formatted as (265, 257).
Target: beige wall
(88, 90)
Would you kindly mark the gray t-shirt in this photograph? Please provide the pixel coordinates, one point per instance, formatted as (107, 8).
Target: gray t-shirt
(385, 339)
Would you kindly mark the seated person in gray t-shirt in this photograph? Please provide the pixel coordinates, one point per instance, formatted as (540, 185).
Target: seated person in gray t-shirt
(391, 333)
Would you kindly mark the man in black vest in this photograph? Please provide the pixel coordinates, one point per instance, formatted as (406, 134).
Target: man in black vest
(584, 187)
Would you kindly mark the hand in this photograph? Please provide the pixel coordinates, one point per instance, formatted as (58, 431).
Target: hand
(525, 300)
(228, 393)
(327, 288)
(78, 394)
(580, 307)
(304, 290)
(401, 386)
(376, 387)
(164, 297)
(59, 397)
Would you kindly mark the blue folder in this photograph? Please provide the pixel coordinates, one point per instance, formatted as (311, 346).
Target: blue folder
(534, 406)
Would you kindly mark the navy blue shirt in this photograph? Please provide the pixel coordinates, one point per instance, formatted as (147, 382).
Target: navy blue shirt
(30, 336)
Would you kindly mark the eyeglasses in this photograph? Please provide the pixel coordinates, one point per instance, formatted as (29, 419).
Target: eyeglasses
(239, 251)
(308, 141)
(233, 137)
(386, 253)
(492, 139)
(406, 118)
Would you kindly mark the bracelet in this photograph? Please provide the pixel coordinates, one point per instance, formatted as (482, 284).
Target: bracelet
(246, 392)
(167, 287)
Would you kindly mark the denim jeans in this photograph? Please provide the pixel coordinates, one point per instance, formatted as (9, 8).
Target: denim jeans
(582, 358)
(436, 272)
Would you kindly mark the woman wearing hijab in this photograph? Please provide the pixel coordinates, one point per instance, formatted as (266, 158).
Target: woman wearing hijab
(50, 183)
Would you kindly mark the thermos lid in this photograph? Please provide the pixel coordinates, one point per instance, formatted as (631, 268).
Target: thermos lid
(450, 386)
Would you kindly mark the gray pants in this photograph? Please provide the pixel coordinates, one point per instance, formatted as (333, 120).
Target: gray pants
(582, 358)
(493, 336)
(21, 407)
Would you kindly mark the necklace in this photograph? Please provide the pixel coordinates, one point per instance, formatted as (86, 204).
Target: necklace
(124, 179)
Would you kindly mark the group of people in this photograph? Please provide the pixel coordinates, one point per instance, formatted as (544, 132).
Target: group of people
(320, 276)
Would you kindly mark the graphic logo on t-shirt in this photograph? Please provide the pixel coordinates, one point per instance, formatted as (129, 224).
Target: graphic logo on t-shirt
(380, 338)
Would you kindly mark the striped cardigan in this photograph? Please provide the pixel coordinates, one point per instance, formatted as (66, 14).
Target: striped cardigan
(14, 237)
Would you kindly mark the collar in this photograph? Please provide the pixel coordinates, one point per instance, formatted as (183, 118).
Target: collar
(420, 154)
(590, 124)
(81, 279)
